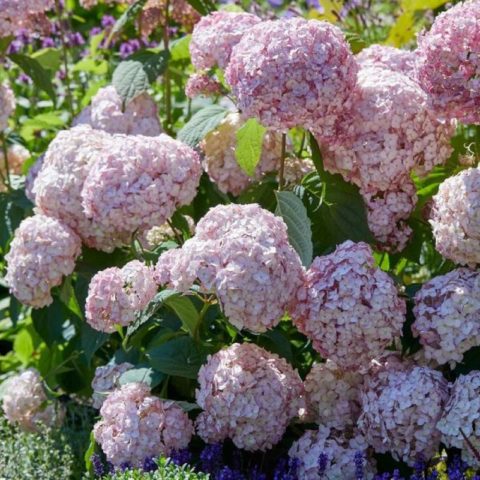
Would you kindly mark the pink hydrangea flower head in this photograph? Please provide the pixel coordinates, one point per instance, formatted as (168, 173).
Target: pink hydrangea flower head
(31, 177)
(202, 84)
(387, 214)
(455, 218)
(339, 453)
(116, 294)
(388, 133)
(26, 405)
(447, 313)
(333, 396)
(400, 411)
(106, 112)
(449, 62)
(139, 182)
(216, 34)
(348, 307)
(22, 15)
(462, 415)
(135, 425)
(248, 395)
(58, 186)
(295, 72)
(241, 253)
(221, 164)
(42, 252)
(106, 380)
(7, 102)
(390, 58)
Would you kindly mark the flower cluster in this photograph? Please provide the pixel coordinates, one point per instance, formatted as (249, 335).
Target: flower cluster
(31, 177)
(115, 294)
(348, 307)
(460, 422)
(106, 380)
(215, 35)
(400, 411)
(25, 403)
(390, 58)
(106, 112)
(202, 84)
(241, 253)
(22, 15)
(455, 218)
(292, 73)
(7, 104)
(248, 395)
(42, 252)
(449, 62)
(447, 312)
(136, 425)
(221, 164)
(324, 455)
(332, 396)
(109, 187)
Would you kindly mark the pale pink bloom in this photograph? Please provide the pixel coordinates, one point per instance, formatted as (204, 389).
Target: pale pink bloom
(7, 99)
(106, 380)
(202, 84)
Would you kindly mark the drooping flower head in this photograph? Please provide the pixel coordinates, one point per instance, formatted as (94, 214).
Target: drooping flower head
(25, 403)
(295, 72)
(348, 307)
(215, 35)
(248, 395)
(107, 113)
(455, 218)
(462, 415)
(449, 62)
(42, 252)
(241, 253)
(106, 380)
(447, 315)
(400, 411)
(115, 294)
(221, 164)
(136, 425)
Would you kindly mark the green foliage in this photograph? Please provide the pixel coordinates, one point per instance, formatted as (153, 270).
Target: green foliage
(248, 150)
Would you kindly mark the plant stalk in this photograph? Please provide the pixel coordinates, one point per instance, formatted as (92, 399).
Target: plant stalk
(167, 88)
(281, 171)
(6, 178)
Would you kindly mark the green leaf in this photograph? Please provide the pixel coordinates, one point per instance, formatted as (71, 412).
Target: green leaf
(89, 65)
(69, 298)
(294, 213)
(89, 453)
(130, 14)
(49, 58)
(186, 311)
(140, 374)
(179, 49)
(249, 145)
(41, 77)
(44, 121)
(133, 76)
(14, 207)
(179, 357)
(203, 122)
(91, 340)
(4, 44)
(204, 7)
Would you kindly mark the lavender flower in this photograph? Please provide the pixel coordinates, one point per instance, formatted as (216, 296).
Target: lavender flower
(108, 21)
(98, 467)
(211, 458)
(181, 457)
(226, 473)
(358, 459)
(149, 465)
(322, 464)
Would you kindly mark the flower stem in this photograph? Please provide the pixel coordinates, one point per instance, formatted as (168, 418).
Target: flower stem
(281, 171)
(167, 92)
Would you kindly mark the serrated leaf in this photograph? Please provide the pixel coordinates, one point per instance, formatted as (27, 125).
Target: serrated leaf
(294, 213)
(41, 77)
(203, 122)
(140, 374)
(186, 312)
(179, 357)
(248, 149)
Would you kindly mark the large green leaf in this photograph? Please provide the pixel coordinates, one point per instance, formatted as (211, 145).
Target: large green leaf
(203, 6)
(41, 77)
(294, 213)
(203, 122)
(249, 145)
(142, 374)
(49, 58)
(186, 312)
(179, 357)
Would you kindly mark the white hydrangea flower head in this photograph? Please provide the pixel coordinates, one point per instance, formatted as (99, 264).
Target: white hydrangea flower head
(248, 395)
(339, 454)
(136, 425)
(447, 316)
(400, 411)
(462, 414)
(106, 380)
(26, 405)
(221, 164)
(455, 218)
(333, 396)
(348, 307)
(116, 294)
(42, 252)
(242, 254)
